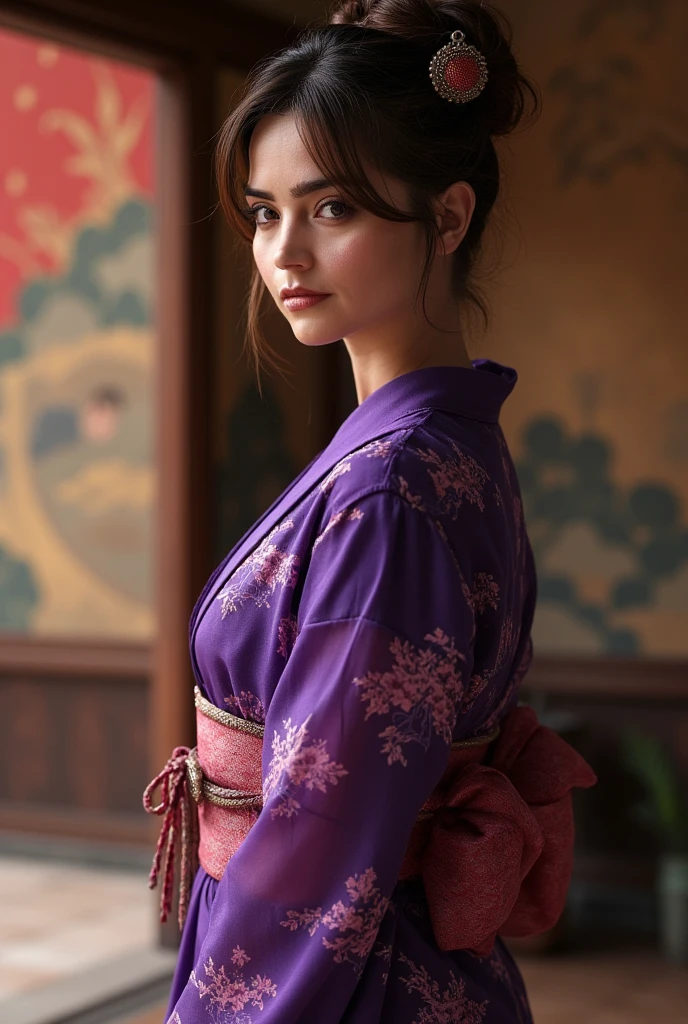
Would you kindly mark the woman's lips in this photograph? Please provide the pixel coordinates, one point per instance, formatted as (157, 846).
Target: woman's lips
(295, 302)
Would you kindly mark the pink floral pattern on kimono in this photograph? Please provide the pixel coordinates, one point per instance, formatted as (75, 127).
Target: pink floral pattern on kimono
(357, 922)
(229, 996)
(342, 467)
(344, 516)
(298, 762)
(376, 449)
(385, 953)
(416, 502)
(259, 576)
(287, 631)
(512, 688)
(508, 639)
(476, 686)
(442, 1006)
(455, 478)
(485, 592)
(248, 705)
(239, 956)
(425, 685)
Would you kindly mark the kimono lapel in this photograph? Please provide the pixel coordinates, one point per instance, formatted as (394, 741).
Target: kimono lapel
(309, 478)
(231, 555)
(477, 395)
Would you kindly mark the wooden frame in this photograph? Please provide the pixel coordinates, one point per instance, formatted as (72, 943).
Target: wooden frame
(72, 824)
(604, 678)
(56, 658)
(155, 33)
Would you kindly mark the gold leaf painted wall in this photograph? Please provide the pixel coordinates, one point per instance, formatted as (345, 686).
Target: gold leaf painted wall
(77, 479)
(592, 310)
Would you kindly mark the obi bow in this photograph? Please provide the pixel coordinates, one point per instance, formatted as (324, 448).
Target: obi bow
(497, 855)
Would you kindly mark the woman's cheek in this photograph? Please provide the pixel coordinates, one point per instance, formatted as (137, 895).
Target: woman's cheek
(350, 263)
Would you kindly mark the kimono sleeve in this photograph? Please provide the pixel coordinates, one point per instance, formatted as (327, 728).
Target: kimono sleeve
(357, 736)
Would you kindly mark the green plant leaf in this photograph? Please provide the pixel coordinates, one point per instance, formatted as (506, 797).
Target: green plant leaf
(664, 806)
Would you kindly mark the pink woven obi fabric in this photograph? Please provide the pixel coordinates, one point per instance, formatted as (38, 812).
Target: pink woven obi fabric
(493, 844)
(232, 758)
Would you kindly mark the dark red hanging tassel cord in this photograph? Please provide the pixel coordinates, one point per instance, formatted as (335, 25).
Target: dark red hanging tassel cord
(180, 825)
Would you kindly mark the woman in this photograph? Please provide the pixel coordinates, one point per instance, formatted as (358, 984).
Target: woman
(361, 862)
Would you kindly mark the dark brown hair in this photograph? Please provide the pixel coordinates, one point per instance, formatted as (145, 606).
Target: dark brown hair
(360, 91)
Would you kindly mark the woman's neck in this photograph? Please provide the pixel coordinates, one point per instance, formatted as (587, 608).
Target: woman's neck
(374, 363)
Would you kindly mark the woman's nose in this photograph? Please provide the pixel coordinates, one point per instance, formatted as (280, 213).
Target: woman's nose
(291, 249)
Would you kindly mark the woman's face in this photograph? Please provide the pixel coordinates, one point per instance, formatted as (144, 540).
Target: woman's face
(365, 270)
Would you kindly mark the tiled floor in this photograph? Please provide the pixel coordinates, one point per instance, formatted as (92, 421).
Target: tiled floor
(604, 988)
(58, 919)
(153, 1016)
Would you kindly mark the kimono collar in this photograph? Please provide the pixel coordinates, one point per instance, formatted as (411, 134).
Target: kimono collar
(476, 394)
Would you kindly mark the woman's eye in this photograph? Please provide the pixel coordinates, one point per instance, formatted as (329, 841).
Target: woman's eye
(259, 214)
(338, 209)
(332, 209)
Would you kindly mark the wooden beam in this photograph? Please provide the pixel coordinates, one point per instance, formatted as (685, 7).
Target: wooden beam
(56, 658)
(74, 823)
(637, 678)
(154, 31)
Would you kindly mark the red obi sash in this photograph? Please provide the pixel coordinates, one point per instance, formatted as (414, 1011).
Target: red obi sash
(493, 844)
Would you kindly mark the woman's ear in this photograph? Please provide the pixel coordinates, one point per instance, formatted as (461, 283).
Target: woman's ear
(454, 211)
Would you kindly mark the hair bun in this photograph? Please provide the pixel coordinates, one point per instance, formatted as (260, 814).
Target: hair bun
(507, 94)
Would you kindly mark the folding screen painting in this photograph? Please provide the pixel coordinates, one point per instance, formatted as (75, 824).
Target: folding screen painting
(77, 480)
(592, 311)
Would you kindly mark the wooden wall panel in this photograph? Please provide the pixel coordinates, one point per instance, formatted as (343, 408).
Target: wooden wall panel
(74, 747)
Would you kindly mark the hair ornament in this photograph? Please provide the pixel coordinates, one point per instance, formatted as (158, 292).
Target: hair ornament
(458, 71)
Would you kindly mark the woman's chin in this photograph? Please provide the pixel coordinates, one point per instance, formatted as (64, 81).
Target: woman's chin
(314, 337)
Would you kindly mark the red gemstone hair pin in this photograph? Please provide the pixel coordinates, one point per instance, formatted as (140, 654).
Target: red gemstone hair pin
(458, 71)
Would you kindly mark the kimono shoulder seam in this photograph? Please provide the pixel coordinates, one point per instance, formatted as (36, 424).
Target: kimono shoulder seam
(383, 488)
(432, 521)
(401, 437)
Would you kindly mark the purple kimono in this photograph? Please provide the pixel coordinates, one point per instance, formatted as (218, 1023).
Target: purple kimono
(380, 610)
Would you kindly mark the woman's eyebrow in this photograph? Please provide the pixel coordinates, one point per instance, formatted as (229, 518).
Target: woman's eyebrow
(304, 188)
